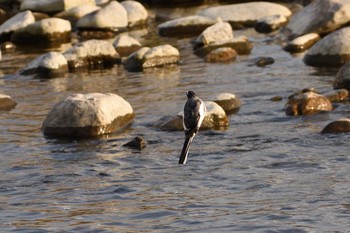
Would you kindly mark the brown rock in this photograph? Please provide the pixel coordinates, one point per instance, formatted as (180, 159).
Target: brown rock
(221, 55)
(338, 126)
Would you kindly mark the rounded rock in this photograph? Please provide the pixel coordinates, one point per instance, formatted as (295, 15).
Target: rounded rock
(47, 31)
(307, 103)
(229, 102)
(334, 14)
(112, 17)
(88, 115)
(340, 95)
(339, 126)
(137, 13)
(217, 33)
(270, 23)
(20, 20)
(332, 50)
(53, 5)
(125, 45)
(302, 43)
(342, 78)
(6, 102)
(76, 13)
(91, 54)
(224, 54)
(245, 14)
(47, 65)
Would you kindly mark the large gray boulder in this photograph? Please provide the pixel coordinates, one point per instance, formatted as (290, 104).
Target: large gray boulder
(245, 14)
(137, 13)
(46, 31)
(320, 16)
(146, 57)
(18, 21)
(186, 26)
(88, 115)
(332, 50)
(91, 54)
(50, 6)
(47, 65)
(112, 17)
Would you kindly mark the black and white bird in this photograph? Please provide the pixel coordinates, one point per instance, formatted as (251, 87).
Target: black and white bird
(194, 113)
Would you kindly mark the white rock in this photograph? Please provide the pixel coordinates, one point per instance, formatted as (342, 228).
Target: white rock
(270, 23)
(77, 12)
(228, 101)
(125, 45)
(246, 14)
(53, 5)
(302, 43)
(332, 50)
(48, 64)
(88, 115)
(111, 17)
(137, 13)
(20, 20)
(217, 33)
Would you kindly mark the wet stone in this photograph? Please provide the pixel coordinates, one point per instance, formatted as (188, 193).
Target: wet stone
(6, 102)
(229, 102)
(307, 103)
(340, 95)
(48, 65)
(136, 143)
(186, 26)
(18, 21)
(88, 115)
(91, 54)
(125, 45)
(302, 43)
(270, 23)
(332, 50)
(8, 47)
(262, 61)
(136, 12)
(76, 13)
(53, 6)
(45, 32)
(342, 78)
(224, 54)
(338, 126)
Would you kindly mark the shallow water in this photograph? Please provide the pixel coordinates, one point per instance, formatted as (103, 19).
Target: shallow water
(267, 172)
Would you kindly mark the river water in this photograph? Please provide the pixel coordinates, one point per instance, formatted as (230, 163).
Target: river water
(267, 172)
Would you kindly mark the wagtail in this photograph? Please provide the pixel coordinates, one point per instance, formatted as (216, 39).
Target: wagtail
(194, 113)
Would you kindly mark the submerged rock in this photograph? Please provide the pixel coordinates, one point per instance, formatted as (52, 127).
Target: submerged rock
(91, 54)
(47, 31)
(125, 45)
(245, 14)
(157, 56)
(47, 65)
(320, 16)
(229, 102)
(215, 118)
(137, 13)
(224, 54)
(88, 115)
(342, 78)
(332, 50)
(20, 20)
(186, 26)
(307, 103)
(53, 5)
(302, 43)
(136, 143)
(112, 17)
(339, 126)
(6, 102)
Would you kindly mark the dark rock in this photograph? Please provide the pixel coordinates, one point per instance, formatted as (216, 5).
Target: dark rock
(136, 143)
(270, 23)
(342, 78)
(8, 47)
(340, 95)
(338, 126)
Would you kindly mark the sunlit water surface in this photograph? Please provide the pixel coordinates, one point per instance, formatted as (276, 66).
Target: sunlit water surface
(267, 172)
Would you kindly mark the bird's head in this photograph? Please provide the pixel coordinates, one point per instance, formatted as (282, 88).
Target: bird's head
(190, 94)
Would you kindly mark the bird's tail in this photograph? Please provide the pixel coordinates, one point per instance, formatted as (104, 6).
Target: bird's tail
(185, 148)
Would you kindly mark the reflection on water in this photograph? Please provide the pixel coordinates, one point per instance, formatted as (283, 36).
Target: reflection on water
(267, 173)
